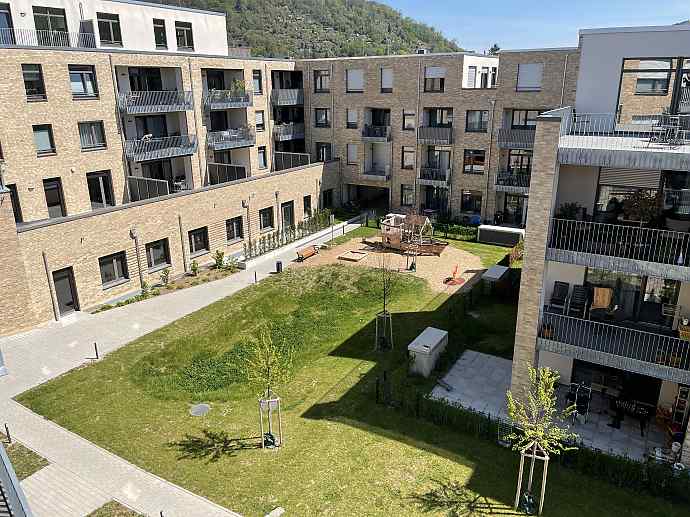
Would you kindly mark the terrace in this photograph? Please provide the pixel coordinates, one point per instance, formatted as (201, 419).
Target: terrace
(227, 99)
(141, 102)
(513, 183)
(147, 149)
(231, 138)
(434, 177)
(17, 37)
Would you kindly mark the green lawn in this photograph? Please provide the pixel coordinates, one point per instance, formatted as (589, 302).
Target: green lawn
(114, 509)
(489, 253)
(24, 461)
(343, 455)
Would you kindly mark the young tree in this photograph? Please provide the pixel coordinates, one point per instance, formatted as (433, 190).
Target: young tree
(494, 49)
(267, 363)
(539, 422)
(384, 326)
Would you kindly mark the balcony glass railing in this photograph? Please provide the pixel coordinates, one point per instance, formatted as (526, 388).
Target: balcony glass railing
(282, 161)
(376, 132)
(141, 188)
(14, 37)
(289, 131)
(434, 174)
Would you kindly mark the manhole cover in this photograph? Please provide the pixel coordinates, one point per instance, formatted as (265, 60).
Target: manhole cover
(199, 409)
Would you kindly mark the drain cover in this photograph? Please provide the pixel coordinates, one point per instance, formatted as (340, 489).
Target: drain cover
(199, 409)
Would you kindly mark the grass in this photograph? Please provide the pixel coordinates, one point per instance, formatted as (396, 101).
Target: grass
(114, 509)
(24, 461)
(343, 453)
(489, 253)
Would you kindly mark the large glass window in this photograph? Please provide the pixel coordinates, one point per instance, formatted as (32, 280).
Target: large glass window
(100, 189)
(82, 80)
(477, 121)
(287, 212)
(406, 195)
(352, 119)
(198, 241)
(33, 82)
(43, 139)
(473, 161)
(6, 32)
(92, 135)
(158, 254)
(408, 157)
(322, 81)
(471, 201)
(258, 82)
(386, 80)
(323, 151)
(520, 161)
(263, 160)
(184, 36)
(109, 29)
(55, 201)
(306, 204)
(159, 34)
(113, 268)
(440, 117)
(434, 79)
(266, 218)
(524, 119)
(259, 120)
(322, 117)
(352, 154)
(51, 26)
(529, 78)
(234, 229)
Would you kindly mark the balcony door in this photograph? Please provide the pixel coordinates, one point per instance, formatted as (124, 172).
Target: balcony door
(154, 125)
(380, 117)
(515, 209)
(438, 159)
(519, 161)
(6, 31)
(145, 79)
(436, 198)
(440, 117)
(65, 291)
(215, 80)
(51, 27)
(158, 170)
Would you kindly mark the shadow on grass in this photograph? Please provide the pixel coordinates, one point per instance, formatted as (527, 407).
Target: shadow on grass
(212, 446)
(456, 500)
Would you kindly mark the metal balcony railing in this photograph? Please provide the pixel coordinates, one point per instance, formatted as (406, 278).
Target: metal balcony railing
(224, 173)
(376, 133)
(617, 346)
(146, 149)
(225, 99)
(433, 135)
(134, 103)
(231, 138)
(434, 174)
(146, 188)
(282, 161)
(287, 97)
(513, 179)
(14, 37)
(290, 131)
(509, 138)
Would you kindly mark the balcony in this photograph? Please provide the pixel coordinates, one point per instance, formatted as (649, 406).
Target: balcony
(227, 99)
(433, 177)
(219, 173)
(616, 247)
(146, 149)
(231, 138)
(513, 183)
(137, 103)
(435, 135)
(141, 188)
(647, 142)
(291, 131)
(14, 37)
(509, 138)
(282, 161)
(657, 354)
(377, 173)
(376, 133)
(287, 97)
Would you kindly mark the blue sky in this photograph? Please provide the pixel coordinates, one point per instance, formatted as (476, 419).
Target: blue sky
(516, 24)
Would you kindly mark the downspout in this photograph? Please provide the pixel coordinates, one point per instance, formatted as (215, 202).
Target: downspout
(565, 70)
(51, 287)
(492, 102)
(418, 119)
(135, 235)
(196, 127)
(184, 249)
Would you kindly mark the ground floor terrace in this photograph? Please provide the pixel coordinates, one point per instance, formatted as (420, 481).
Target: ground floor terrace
(339, 443)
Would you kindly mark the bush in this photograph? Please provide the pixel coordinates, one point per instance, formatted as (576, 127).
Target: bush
(517, 253)
(194, 268)
(218, 259)
(165, 276)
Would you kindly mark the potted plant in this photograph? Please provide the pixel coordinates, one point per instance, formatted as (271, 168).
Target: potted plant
(643, 206)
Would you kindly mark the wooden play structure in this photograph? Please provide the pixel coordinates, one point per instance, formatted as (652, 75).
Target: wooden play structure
(410, 233)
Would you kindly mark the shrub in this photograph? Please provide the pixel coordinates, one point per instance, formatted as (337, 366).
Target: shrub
(517, 253)
(165, 276)
(194, 268)
(218, 259)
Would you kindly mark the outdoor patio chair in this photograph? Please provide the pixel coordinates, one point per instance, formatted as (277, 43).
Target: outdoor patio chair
(577, 304)
(559, 296)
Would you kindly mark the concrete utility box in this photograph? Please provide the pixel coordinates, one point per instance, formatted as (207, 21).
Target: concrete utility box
(426, 349)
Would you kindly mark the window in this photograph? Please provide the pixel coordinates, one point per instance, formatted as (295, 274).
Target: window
(322, 117)
(55, 201)
(258, 82)
(529, 77)
(408, 156)
(484, 77)
(386, 80)
(440, 117)
(471, 201)
(82, 79)
(51, 26)
(409, 120)
(477, 121)
(306, 203)
(159, 35)
(354, 81)
(234, 229)
(260, 124)
(524, 119)
(92, 135)
(352, 154)
(158, 254)
(266, 219)
(327, 198)
(323, 151)
(109, 28)
(100, 189)
(184, 36)
(472, 77)
(16, 207)
(113, 269)
(43, 139)
(406, 195)
(198, 241)
(434, 79)
(322, 81)
(519, 161)
(287, 213)
(263, 162)
(33, 83)
(473, 161)
(352, 119)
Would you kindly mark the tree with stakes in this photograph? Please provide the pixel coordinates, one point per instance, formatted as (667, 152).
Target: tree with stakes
(540, 429)
(384, 323)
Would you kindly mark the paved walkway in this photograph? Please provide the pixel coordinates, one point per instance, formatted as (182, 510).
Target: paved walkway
(89, 472)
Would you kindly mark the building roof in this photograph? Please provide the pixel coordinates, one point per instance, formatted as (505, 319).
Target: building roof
(545, 49)
(168, 6)
(428, 55)
(679, 27)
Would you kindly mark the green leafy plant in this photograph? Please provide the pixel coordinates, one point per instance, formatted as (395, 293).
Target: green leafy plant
(642, 205)
(165, 276)
(218, 260)
(268, 364)
(194, 268)
(569, 211)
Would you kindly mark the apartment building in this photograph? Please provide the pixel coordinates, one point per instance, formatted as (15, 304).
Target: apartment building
(605, 294)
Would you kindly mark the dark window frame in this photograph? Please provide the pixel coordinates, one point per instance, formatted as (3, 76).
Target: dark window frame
(105, 188)
(150, 258)
(234, 225)
(114, 29)
(325, 149)
(40, 94)
(483, 121)
(262, 126)
(118, 261)
(469, 159)
(474, 198)
(347, 81)
(290, 206)
(528, 119)
(386, 90)
(321, 76)
(325, 124)
(407, 150)
(306, 206)
(83, 71)
(184, 35)
(348, 124)
(160, 39)
(92, 124)
(258, 79)
(434, 84)
(271, 219)
(55, 184)
(191, 237)
(45, 152)
(406, 114)
(403, 188)
(261, 151)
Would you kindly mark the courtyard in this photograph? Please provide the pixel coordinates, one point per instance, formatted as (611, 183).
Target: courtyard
(343, 453)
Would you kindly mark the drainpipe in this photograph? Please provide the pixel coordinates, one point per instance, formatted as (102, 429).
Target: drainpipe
(279, 219)
(565, 70)
(135, 235)
(51, 287)
(492, 102)
(203, 173)
(184, 249)
(418, 119)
